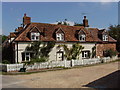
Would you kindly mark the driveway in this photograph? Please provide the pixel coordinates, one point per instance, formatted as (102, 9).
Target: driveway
(85, 77)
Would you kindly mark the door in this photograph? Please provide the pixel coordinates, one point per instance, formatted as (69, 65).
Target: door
(59, 56)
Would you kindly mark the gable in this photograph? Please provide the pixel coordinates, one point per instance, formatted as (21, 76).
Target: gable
(81, 32)
(35, 29)
(59, 30)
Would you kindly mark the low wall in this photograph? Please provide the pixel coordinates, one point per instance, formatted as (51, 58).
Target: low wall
(52, 64)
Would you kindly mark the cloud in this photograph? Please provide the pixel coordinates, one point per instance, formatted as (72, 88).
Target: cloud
(68, 22)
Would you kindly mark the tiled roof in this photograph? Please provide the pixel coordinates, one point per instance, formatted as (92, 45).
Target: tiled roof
(12, 34)
(69, 31)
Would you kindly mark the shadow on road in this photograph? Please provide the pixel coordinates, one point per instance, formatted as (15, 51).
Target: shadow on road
(109, 81)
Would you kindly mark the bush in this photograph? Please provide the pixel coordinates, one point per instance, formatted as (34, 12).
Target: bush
(41, 59)
(5, 62)
(110, 53)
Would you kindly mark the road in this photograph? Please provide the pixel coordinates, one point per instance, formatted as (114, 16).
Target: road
(99, 76)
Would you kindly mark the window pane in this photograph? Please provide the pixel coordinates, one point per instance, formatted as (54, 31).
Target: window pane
(33, 37)
(82, 37)
(37, 38)
(27, 58)
(85, 54)
(27, 53)
(23, 56)
(60, 36)
(82, 54)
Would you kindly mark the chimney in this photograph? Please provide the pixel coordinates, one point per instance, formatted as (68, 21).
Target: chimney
(26, 20)
(85, 22)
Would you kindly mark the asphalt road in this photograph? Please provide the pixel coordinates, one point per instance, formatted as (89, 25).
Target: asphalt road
(100, 76)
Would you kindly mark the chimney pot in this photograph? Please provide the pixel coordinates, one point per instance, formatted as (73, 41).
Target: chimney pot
(84, 17)
(24, 14)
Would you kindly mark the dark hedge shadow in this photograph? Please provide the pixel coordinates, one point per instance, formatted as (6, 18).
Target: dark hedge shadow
(109, 81)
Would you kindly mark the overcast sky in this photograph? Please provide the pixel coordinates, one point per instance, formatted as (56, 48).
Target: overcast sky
(99, 14)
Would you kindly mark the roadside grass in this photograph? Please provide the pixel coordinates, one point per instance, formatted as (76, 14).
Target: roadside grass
(54, 69)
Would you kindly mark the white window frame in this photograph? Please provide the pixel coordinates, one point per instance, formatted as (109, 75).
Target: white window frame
(86, 54)
(60, 37)
(35, 34)
(105, 37)
(83, 37)
(25, 56)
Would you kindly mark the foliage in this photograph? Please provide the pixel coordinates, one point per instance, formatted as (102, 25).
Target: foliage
(64, 22)
(35, 47)
(93, 51)
(109, 53)
(114, 31)
(41, 59)
(4, 37)
(46, 49)
(5, 62)
(59, 23)
(72, 53)
(41, 50)
(6, 53)
(77, 24)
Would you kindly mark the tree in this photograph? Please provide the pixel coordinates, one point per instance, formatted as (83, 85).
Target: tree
(114, 31)
(4, 37)
(109, 53)
(73, 52)
(63, 22)
(7, 53)
(77, 24)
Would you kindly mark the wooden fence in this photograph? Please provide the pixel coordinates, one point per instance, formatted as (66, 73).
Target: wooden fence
(53, 64)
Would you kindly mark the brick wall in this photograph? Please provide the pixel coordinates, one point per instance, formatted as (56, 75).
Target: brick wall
(102, 47)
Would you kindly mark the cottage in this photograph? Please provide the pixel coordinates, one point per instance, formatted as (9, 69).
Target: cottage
(60, 34)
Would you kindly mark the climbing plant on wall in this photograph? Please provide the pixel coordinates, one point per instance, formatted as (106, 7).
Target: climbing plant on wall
(73, 52)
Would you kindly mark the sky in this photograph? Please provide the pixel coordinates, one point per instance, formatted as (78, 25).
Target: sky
(99, 14)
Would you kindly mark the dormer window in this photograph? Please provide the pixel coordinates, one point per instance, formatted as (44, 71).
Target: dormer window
(82, 37)
(35, 36)
(105, 37)
(60, 37)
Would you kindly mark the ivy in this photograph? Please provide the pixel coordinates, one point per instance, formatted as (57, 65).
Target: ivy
(41, 50)
(73, 52)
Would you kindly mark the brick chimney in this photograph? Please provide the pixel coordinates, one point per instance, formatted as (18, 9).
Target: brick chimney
(85, 22)
(26, 20)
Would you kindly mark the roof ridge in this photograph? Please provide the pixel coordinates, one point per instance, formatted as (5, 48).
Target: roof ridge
(55, 24)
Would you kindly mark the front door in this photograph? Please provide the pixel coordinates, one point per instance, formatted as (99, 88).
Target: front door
(59, 56)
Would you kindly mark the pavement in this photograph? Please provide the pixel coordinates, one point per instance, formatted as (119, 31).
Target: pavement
(98, 76)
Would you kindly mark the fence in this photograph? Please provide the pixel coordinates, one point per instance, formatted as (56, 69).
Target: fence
(11, 67)
(52, 64)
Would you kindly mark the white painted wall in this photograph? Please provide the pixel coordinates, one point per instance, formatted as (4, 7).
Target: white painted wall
(21, 48)
(53, 54)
